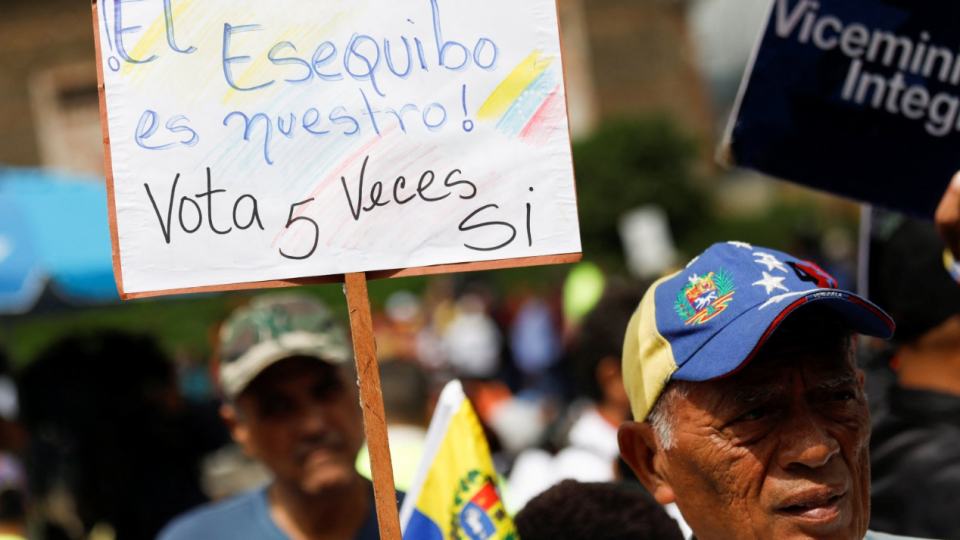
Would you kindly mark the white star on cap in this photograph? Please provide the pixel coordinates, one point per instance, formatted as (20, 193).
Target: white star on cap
(694, 279)
(743, 245)
(769, 261)
(771, 283)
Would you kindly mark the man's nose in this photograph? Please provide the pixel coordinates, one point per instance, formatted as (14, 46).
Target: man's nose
(806, 442)
(314, 419)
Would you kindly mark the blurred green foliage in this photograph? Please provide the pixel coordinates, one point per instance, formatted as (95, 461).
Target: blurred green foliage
(785, 226)
(628, 163)
(633, 162)
(184, 325)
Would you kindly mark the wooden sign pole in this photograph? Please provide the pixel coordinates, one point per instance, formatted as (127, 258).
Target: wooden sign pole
(371, 400)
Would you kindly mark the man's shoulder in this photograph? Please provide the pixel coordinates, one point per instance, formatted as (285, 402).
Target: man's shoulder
(871, 535)
(235, 518)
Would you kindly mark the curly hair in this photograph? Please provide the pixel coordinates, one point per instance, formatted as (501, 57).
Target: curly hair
(574, 510)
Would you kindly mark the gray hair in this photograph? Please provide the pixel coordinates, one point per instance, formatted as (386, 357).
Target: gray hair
(661, 417)
(832, 335)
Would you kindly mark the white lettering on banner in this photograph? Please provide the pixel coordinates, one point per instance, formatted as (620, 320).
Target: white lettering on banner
(915, 56)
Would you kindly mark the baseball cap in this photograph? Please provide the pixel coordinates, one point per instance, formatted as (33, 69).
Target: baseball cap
(274, 327)
(712, 317)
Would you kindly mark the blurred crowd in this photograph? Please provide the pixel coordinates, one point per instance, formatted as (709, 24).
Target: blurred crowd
(104, 438)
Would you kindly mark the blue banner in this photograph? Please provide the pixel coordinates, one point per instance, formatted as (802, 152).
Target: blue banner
(860, 98)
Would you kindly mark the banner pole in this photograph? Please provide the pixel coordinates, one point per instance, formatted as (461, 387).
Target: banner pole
(371, 400)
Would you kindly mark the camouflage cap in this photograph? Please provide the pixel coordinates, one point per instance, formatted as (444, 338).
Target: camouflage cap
(274, 327)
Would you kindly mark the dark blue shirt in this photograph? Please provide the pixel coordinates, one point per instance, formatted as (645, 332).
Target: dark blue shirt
(246, 517)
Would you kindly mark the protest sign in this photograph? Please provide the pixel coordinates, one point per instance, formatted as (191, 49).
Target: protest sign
(859, 98)
(258, 144)
(252, 143)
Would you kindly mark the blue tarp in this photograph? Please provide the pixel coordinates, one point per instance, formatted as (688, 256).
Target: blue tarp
(54, 232)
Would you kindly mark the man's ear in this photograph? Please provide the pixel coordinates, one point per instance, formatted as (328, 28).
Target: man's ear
(237, 427)
(641, 450)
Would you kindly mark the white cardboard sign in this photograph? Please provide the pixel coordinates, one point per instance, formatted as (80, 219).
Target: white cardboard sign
(255, 140)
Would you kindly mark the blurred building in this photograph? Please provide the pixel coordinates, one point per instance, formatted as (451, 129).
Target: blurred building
(725, 33)
(637, 57)
(623, 57)
(49, 108)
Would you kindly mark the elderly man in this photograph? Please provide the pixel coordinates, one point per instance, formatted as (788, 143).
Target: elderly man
(291, 403)
(750, 412)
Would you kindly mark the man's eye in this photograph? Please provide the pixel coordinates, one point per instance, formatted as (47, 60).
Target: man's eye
(274, 408)
(754, 414)
(326, 390)
(844, 395)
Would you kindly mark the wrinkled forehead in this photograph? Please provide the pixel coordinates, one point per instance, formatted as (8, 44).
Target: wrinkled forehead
(785, 363)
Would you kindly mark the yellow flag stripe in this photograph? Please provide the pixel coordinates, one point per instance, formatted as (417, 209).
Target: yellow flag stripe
(460, 453)
(511, 88)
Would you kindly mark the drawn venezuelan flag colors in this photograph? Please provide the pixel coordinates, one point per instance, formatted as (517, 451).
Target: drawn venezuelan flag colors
(522, 103)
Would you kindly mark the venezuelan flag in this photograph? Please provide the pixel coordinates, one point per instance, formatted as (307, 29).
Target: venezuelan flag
(454, 493)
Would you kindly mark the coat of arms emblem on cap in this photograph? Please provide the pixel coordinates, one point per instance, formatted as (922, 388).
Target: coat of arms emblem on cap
(704, 297)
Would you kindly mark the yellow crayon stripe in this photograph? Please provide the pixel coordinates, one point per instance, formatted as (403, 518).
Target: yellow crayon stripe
(254, 73)
(165, 71)
(146, 46)
(149, 43)
(513, 86)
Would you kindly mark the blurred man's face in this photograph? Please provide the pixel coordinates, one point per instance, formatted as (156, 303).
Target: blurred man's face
(301, 418)
(778, 450)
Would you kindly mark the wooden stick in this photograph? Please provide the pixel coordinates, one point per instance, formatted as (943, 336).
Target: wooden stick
(371, 399)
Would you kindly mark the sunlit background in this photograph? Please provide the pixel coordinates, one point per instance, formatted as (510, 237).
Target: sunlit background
(650, 85)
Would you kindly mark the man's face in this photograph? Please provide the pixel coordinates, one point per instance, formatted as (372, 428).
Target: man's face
(778, 450)
(301, 419)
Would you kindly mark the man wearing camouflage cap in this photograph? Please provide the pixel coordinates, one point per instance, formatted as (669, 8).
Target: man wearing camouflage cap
(290, 402)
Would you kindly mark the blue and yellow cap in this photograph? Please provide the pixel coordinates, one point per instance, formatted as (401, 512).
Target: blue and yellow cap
(711, 318)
